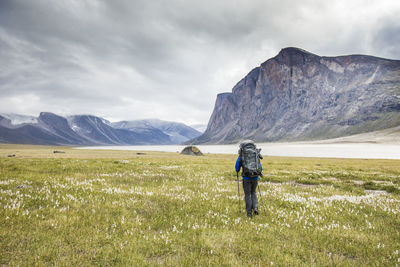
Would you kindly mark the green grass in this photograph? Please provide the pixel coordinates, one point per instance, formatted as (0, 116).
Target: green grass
(120, 208)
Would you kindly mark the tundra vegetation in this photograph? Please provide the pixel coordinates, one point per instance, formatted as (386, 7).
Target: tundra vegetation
(122, 208)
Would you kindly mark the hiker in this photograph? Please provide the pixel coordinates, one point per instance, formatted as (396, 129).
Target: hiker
(249, 160)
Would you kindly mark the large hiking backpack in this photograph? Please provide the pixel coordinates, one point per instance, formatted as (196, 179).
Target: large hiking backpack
(250, 157)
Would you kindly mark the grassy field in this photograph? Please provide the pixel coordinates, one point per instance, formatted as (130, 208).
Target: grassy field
(123, 208)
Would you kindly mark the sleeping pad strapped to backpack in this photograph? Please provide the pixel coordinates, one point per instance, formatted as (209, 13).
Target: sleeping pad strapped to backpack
(250, 157)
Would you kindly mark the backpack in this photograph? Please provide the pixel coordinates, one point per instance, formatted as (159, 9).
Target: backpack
(250, 157)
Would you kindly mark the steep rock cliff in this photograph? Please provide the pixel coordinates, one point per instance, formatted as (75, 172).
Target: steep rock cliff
(298, 95)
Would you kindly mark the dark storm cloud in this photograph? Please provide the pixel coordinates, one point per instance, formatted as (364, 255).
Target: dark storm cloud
(387, 39)
(168, 59)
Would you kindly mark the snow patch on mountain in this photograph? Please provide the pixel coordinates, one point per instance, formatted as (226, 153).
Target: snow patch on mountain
(199, 127)
(17, 119)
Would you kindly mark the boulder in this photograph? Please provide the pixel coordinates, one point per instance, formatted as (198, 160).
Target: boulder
(191, 150)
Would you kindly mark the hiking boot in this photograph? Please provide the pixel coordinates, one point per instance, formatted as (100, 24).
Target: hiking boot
(256, 212)
(249, 215)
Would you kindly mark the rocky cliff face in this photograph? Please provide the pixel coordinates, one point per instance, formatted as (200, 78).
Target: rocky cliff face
(298, 95)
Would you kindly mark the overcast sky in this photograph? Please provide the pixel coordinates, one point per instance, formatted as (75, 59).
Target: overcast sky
(130, 59)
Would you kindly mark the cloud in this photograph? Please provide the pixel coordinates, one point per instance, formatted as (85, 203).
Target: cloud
(126, 59)
(387, 39)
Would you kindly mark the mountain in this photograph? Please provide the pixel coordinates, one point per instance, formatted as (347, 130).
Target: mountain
(199, 127)
(46, 129)
(16, 119)
(52, 129)
(25, 133)
(59, 127)
(298, 95)
(100, 131)
(178, 132)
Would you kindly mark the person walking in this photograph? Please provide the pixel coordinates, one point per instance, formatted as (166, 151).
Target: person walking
(249, 161)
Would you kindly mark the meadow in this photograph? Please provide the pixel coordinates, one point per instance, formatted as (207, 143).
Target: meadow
(125, 208)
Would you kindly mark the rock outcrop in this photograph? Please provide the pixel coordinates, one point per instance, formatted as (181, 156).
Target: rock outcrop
(192, 151)
(298, 95)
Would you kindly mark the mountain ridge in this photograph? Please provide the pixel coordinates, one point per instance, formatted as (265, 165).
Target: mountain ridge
(51, 129)
(178, 132)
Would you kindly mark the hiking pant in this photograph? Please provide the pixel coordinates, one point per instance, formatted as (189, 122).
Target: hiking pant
(250, 195)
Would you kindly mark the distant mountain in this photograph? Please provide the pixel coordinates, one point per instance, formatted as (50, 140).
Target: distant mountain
(98, 130)
(16, 119)
(24, 133)
(298, 95)
(177, 132)
(52, 129)
(60, 128)
(199, 127)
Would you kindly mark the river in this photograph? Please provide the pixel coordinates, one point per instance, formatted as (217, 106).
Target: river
(346, 150)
